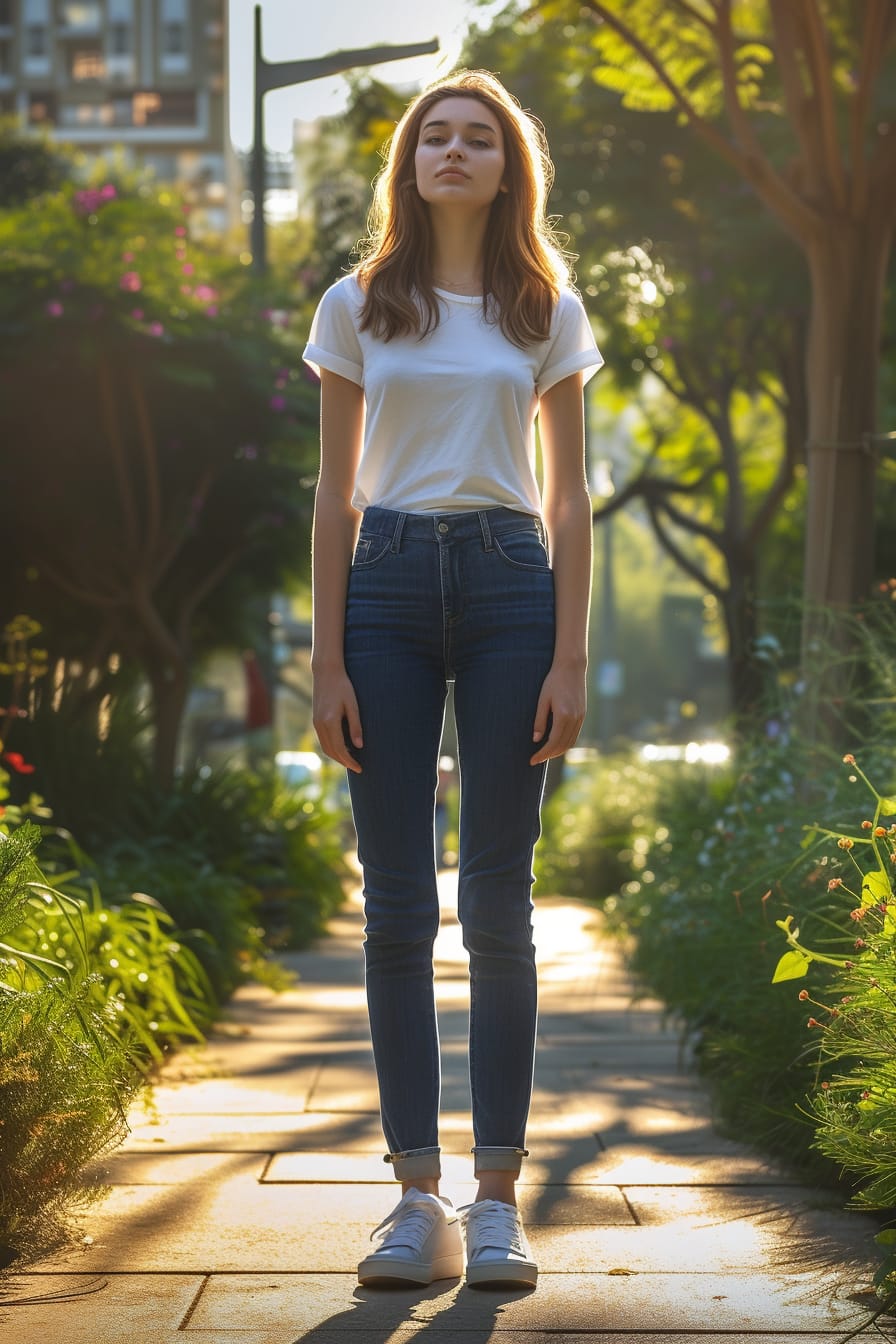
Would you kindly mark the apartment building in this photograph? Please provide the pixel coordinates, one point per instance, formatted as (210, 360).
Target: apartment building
(147, 75)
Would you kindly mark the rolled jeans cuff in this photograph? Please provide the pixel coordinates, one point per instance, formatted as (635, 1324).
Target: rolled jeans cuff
(415, 1162)
(498, 1159)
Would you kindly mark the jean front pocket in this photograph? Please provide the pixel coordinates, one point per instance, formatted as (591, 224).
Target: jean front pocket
(523, 549)
(369, 550)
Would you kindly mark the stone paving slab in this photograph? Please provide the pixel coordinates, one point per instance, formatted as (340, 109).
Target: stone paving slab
(590, 1302)
(127, 1309)
(123, 1168)
(647, 1164)
(576, 1162)
(237, 1225)
(706, 1206)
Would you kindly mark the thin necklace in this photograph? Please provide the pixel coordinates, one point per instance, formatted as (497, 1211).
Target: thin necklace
(459, 286)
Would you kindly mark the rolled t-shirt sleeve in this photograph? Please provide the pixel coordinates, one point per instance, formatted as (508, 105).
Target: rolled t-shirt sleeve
(333, 342)
(571, 347)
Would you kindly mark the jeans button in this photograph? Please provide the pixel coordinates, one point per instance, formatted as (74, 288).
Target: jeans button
(443, 527)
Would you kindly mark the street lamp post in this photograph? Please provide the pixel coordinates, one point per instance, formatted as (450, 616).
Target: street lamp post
(280, 75)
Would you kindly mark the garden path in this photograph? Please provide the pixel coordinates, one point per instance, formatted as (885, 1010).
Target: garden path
(239, 1207)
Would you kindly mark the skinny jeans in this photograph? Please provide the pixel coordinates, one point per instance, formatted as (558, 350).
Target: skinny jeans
(432, 598)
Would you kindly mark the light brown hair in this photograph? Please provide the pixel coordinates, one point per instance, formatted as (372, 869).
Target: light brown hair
(524, 265)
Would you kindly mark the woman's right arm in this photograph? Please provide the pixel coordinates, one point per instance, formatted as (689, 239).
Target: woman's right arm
(333, 541)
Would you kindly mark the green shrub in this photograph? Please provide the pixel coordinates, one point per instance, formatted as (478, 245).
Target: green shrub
(91, 995)
(590, 825)
(855, 1106)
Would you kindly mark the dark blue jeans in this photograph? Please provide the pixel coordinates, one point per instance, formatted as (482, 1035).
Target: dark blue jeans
(431, 598)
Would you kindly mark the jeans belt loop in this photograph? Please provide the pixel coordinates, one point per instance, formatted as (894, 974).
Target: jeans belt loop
(486, 530)
(396, 535)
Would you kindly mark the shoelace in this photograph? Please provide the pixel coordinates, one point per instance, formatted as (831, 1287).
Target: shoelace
(409, 1224)
(493, 1225)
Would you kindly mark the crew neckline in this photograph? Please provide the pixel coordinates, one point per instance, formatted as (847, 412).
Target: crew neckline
(459, 298)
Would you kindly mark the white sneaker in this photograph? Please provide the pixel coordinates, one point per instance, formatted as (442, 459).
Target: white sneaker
(497, 1250)
(420, 1242)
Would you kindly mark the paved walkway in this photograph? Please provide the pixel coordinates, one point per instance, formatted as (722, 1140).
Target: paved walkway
(240, 1207)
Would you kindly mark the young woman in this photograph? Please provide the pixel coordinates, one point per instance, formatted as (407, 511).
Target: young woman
(430, 564)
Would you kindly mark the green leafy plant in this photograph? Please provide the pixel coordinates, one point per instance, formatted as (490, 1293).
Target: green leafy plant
(853, 1105)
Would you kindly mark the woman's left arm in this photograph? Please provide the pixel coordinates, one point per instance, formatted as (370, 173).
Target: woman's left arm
(567, 516)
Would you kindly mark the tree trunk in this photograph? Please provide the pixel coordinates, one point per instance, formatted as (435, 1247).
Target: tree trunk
(170, 684)
(744, 673)
(848, 268)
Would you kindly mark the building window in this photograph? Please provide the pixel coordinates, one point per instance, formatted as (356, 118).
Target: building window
(80, 14)
(174, 39)
(36, 42)
(87, 63)
(80, 115)
(41, 108)
(165, 109)
(120, 39)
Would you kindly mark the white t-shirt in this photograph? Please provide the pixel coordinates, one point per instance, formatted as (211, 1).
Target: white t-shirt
(449, 422)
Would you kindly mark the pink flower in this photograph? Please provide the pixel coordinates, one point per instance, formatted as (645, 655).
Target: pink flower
(137, 314)
(205, 293)
(186, 289)
(127, 256)
(156, 329)
(278, 403)
(212, 310)
(131, 282)
(188, 268)
(180, 231)
(55, 308)
(108, 192)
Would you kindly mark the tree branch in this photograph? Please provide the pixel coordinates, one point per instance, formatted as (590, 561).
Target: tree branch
(117, 452)
(823, 82)
(693, 13)
(680, 557)
(691, 524)
(740, 122)
(787, 44)
(90, 597)
(657, 488)
(878, 17)
(150, 457)
(778, 194)
(204, 587)
(769, 506)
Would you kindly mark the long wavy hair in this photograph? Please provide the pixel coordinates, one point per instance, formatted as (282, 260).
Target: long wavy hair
(524, 266)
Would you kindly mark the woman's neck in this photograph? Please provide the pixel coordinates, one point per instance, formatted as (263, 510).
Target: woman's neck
(458, 251)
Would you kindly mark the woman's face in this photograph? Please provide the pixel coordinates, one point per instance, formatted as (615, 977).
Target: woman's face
(459, 159)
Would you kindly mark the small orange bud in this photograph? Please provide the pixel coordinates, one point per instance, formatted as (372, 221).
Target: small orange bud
(849, 760)
(803, 994)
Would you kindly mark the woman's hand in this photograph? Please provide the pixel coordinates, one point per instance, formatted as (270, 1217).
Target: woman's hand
(563, 700)
(335, 704)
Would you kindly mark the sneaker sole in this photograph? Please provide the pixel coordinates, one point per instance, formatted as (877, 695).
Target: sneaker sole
(386, 1273)
(502, 1276)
